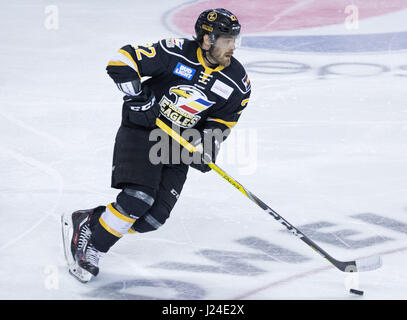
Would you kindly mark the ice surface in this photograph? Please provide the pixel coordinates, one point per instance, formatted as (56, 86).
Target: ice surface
(323, 142)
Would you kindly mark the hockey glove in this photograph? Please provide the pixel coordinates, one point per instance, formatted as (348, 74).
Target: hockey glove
(143, 108)
(211, 146)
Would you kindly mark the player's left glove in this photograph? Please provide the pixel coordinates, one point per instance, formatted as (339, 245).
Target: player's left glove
(143, 109)
(211, 145)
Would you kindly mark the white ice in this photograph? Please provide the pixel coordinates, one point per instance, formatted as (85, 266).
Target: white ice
(317, 149)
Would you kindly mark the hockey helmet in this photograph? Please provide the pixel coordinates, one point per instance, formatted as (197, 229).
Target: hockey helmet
(216, 22)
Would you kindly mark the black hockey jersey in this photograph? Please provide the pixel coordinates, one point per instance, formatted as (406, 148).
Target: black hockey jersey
(190, 94)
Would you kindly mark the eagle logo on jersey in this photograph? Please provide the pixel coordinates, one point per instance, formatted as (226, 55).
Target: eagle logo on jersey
(188, 103)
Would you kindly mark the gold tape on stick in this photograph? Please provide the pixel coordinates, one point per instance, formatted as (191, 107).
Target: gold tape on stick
(191, 148)
(176, 136)
(228, 178)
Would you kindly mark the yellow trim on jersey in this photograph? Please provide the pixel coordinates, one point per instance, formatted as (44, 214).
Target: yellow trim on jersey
(244, 102)
(128, 55)
(201, 60)
(229, 124)
(110, 230)
(120, 215)
(131, 231)
(116, 63)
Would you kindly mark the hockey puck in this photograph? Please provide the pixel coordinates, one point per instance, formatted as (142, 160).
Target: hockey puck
(358, 292)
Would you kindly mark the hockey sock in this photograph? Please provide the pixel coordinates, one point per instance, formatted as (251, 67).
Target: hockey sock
(102, 239)
(111, 226)
(117, 219)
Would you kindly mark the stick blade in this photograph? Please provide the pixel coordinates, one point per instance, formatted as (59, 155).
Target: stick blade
(368, 263)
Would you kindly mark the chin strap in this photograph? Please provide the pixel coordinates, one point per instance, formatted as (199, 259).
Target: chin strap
(205, 54)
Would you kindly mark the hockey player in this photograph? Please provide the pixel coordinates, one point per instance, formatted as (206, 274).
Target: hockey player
(193, 84)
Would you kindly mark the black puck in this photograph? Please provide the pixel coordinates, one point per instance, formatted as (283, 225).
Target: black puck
(358, 292)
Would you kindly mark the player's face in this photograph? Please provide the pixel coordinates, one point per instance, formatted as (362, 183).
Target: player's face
(223, 49)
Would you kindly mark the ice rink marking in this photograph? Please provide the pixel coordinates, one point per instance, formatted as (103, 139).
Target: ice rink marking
(51, 172)
(305, 274)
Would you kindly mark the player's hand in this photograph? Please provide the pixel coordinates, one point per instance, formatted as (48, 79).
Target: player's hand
(211, 146)
(143, 108)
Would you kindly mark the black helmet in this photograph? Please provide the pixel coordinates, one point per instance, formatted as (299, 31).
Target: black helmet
(216, 22)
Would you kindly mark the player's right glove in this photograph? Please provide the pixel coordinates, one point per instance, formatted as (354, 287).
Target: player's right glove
(143, 109)
(211, 146)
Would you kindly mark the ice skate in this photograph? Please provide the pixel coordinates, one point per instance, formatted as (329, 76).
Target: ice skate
(76, 232)
(89, 260)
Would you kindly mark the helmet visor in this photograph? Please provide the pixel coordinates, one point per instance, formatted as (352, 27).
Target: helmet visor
(228, 42)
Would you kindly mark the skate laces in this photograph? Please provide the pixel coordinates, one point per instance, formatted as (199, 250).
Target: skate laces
(84, 236)
(92, 255)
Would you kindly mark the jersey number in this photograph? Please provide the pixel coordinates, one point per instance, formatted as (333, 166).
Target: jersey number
(147, 50)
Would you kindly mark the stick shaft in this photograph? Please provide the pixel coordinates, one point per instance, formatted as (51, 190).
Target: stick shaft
(343, 266)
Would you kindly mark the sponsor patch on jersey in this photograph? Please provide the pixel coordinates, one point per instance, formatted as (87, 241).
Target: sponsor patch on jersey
(184, 71)
(222, 89)
(246, 82)
(173, 42)
(188, 103)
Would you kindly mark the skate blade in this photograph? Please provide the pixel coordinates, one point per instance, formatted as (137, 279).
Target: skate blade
(67, 233)
(80, 274)
(74, 269)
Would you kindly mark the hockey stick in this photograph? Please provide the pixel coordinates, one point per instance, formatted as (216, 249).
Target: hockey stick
(358, 265)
